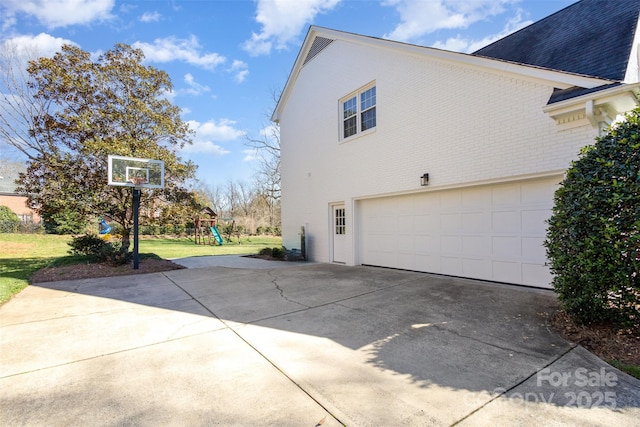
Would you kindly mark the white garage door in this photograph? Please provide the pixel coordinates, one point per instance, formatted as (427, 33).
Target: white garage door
(492, 232)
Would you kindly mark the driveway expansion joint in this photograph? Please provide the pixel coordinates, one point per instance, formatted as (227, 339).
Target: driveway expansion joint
(506, 391)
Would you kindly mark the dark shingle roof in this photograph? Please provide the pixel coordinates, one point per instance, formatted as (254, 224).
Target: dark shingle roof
(9, 173)
(573, 92)
(590, 37)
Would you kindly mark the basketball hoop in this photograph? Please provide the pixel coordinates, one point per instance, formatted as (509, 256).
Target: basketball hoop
(137, 173)
(138, 181)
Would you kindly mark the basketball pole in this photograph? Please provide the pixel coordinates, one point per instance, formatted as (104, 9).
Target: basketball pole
(136, 208)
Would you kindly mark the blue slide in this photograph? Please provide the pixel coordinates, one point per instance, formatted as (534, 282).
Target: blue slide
(104, 228)
(216, 235)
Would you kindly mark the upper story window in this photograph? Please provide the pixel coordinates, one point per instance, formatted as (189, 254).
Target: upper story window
(358, 112)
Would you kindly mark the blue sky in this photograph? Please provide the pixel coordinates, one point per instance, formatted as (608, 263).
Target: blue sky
(227, 58)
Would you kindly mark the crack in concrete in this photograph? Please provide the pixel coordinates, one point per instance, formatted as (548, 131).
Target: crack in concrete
(281, 291)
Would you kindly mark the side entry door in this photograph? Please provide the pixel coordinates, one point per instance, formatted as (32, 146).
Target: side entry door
(339, 234)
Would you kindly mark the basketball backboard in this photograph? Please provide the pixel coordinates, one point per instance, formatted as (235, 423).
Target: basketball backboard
(135, 172)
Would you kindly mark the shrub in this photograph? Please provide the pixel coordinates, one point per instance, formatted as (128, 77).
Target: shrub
(149, 230)
(266, 252)
(94, 247)
(593, 239)
(63, 220)
(9, 221)
(86, 245)
(179, 229)
(277, 253)
(166, 229)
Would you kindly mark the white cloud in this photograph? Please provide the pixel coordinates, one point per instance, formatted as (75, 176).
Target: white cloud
(60, 13)
(195, 88)
(174, 49)
(250, 155)
(150, 17)
(209, 133)
(282, 21)
(460, 44)
(420, 17)
(240, 70)
(36, 46)
(454, 44)
(271, 132)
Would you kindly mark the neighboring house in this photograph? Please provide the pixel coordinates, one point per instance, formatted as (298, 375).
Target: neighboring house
(363, 120)
(11, 199)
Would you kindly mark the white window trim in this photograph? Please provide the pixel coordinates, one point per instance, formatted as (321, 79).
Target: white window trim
(341, 102)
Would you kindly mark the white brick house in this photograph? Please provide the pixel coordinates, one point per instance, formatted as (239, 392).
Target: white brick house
(362, 119)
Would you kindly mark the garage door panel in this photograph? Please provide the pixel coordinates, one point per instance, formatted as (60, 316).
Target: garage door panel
(472, 199)
(475, 245)
(493, 232)
(451, 245)
(475, 267)
(450, 222)
(426, 205)
(450, 201)
(406, 261)
(505, 194)
(424, 244)
(507, 271)
(476, 222)
(533, 274)
(533, 248)
(532, 218)
(406, 243)
(451, 266)
(506, 221)
(405, 206)
(379, 243)
(427, 263)
(427, 223)
(538, 193)
(405, 224)
(506, 246)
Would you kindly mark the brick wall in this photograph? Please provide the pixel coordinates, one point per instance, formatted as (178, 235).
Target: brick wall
(18, 205)
(461, 124)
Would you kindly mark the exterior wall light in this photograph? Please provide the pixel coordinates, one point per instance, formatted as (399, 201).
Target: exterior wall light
(424, 180)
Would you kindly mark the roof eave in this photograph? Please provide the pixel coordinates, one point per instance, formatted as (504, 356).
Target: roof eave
(554, 78)
(597, 107)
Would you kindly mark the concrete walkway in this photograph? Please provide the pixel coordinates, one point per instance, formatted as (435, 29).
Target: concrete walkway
(304, 345)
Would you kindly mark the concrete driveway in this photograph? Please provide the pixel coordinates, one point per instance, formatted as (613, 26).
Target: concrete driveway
(307, 345)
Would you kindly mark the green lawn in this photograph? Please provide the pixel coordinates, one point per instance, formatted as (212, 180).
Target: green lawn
(185, 247)
(22, 254)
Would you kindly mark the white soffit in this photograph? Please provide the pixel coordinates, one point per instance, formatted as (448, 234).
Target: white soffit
(604, 104)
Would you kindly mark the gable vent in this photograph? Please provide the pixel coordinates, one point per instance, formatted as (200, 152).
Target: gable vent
(319, 43)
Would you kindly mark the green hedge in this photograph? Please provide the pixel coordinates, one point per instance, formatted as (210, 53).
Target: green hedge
(593, 239)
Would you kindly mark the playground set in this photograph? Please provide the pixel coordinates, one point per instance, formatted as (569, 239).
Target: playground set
(104, 228)
(206, 229)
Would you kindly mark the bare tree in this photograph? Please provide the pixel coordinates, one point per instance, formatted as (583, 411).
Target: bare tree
(19, 105)
(213, 194)
(267, 149)
(267, 177)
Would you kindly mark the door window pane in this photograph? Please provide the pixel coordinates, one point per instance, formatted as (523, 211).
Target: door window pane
(340, 224)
